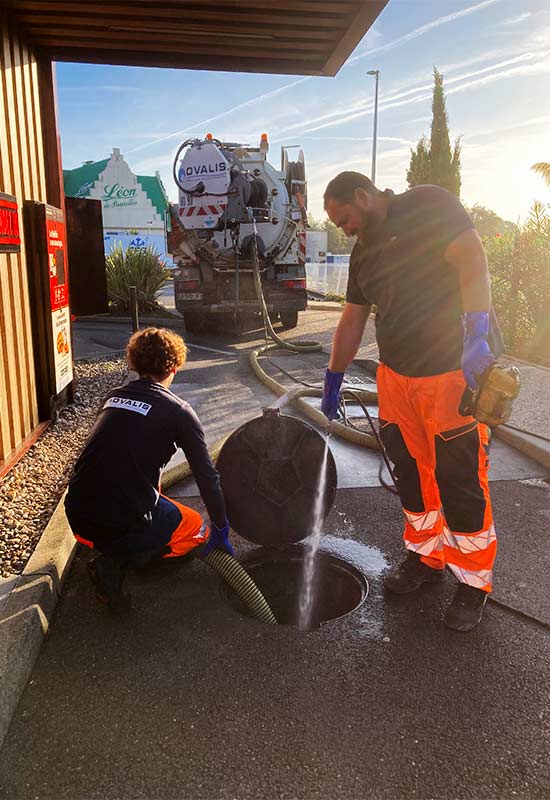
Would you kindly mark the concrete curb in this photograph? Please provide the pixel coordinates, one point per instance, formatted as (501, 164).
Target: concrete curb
(160, 322)
(527, 443)
(512, 357)
(26, 615)
(177, 322)
(324, 305)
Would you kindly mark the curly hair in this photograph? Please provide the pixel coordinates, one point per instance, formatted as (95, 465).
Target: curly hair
(155, 352)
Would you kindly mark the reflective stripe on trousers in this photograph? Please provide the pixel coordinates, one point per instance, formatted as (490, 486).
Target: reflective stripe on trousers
(441, 471)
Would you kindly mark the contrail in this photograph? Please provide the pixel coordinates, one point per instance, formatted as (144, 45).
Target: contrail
(232, 110)
(382, 48)
(436, 23)
(525, 62)
(365, 106)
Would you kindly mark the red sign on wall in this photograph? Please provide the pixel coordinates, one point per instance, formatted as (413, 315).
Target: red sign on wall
(56, 244)
(56, 248)
(10, 239)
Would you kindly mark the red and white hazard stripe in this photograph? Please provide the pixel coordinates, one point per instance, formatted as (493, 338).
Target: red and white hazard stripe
(202, 211)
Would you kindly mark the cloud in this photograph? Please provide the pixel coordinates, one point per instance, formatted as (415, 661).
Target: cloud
(436, 23)
(416, 120)
(514, 20)
(541, 67)
(115, 88)
(526, 123)
(150, 165)
(356, 139)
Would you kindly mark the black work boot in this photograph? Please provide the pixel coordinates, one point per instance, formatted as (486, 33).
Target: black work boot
(411, 574)
(466, 608)
(107, 577)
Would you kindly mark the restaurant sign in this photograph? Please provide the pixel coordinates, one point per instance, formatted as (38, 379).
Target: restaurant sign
(10, 239)
(56, 245)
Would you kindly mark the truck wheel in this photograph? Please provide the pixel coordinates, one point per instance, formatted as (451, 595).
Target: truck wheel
(194, 321)
(289, 319)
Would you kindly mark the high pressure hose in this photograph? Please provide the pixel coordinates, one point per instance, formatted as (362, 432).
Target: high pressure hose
(227, 566)
(317, 416)
(301, 347)
(230, 569)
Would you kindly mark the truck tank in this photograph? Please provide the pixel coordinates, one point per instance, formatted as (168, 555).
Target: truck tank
(229, 195)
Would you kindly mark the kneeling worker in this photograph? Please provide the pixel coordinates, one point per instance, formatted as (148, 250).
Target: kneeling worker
(114, 504)
(419, 259)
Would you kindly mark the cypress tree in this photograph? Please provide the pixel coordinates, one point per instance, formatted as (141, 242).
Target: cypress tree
(437, 164)
(419, 170)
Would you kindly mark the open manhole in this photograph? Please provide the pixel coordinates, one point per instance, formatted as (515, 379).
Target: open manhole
(338, 587)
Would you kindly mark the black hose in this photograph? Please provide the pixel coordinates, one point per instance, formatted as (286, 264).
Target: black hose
(381, 445)
(290, 375)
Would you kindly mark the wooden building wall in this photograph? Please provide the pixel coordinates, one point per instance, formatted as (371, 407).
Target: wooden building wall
(23, 174)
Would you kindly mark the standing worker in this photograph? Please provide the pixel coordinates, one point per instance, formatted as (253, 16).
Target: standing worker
(114, 503)
(420, 261)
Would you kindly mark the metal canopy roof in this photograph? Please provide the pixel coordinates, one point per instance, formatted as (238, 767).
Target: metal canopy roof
(307, 37)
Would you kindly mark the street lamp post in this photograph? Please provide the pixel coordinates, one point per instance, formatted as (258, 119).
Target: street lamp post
(376, 73)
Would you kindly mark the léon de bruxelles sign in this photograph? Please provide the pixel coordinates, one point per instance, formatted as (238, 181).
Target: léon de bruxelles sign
(116, 195)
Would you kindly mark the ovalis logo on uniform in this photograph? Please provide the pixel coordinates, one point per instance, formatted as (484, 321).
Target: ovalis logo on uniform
(128, 405)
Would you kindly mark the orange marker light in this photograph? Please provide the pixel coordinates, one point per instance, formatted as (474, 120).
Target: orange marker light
(209, 137)
(263, 137)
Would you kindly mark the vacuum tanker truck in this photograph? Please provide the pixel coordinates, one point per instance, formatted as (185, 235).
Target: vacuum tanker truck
(237, 215)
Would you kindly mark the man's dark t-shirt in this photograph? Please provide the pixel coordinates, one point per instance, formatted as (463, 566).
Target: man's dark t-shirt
(116, 479)
(403, 272)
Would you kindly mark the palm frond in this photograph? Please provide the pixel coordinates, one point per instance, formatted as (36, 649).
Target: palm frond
(542, 168)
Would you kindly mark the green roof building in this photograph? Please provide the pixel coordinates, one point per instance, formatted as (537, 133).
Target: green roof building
(134, 206)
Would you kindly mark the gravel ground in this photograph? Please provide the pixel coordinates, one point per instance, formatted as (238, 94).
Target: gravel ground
(31, 490)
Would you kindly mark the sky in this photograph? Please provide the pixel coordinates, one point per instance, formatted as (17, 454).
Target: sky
(494, 56)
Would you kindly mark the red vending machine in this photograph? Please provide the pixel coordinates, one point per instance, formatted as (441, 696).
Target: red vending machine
(46, 243)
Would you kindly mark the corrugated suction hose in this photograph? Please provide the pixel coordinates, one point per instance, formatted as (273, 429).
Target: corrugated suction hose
(224, 564)
(241, 582)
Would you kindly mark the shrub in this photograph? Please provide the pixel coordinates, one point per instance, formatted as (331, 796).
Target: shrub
(519, 265)
(140, 267)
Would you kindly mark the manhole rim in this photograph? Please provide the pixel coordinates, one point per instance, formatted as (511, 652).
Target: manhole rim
(271, 556)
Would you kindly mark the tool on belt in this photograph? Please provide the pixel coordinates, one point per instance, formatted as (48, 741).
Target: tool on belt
(491, 403)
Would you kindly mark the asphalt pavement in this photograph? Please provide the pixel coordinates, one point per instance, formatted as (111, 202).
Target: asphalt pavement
(185, 697)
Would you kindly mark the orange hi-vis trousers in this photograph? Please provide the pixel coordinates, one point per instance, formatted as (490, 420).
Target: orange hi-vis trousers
(175, 529)
(441, 472)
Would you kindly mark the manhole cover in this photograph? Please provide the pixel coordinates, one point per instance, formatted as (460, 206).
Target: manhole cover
(338, 587)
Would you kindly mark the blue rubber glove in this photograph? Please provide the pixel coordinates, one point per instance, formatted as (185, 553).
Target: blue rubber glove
(331, 393)
(219, 540)
(476, 354)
